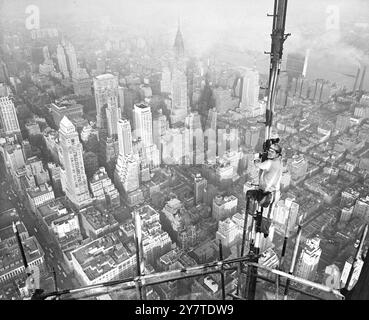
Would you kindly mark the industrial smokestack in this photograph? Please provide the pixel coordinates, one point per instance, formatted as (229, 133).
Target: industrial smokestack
(362, 79)
(356, 79)
(307, 54)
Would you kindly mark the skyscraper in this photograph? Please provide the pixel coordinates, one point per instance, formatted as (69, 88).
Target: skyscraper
(62, 61)
(126, 173)
(178, 87)
(309, 259)
(295, 65)
(106, 93)
(149, 154)
(143, 124)
(166, 80)
(72, 59)
(200, 185)
(159, 129)
(194, 138)
(178, 45)
(82, 83)
(112, 117)
(73, 177)
(8, 116)
(179, 96)
(124, 137)
(250, 89)
(211, 122)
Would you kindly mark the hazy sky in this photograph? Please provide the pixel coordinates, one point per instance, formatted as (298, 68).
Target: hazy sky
(203, 22)
(238, 22)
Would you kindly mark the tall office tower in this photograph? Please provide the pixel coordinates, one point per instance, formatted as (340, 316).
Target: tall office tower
(179, 96)
(250, 89)
(343, 122)
(45, 51)
(210, 136)
(126, 175)
(178, 45)
(166, 80)
(8, 116)
(299, 85)
(82, 83)
(143, 124)
(73, 176)
(252, 136)
(237, 86)
(178, 87)
(200, 185)
(62, 61)
(113, 115)
(106, 92)
(121, 97)
(295, 65)
(159, 128)
(4, 74)
(72, 59)
(124, 137)
(211, 121)
(294, 214)
(309, 259)
(194, 138)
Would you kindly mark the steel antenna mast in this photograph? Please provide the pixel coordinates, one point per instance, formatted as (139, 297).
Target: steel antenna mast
(278, 37)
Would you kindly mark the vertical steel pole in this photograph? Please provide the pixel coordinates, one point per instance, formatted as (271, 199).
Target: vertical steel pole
(139, 255)
(283, 253)
(55, 283)
(222, 272)
(294, 257)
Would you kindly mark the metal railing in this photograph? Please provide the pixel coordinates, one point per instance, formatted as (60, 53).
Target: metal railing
(142, 281)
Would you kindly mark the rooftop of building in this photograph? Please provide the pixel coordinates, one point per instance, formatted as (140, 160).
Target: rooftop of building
(100, 174)
(97, 219)
(40, 190)
(103, 254)
(11, 258)
(7, 217)
(170, 257)
(66, 125)
(53, 210)
(10, 148)
(208, 249)
(173, 204)
(220, 200)
(142, 106)
(105, 76)
(65, 103)
(147, 213)
(8, 232)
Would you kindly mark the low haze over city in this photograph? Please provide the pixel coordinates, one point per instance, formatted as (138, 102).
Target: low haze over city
(213, 150)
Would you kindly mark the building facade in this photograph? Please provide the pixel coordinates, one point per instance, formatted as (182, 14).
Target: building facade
(73, 176)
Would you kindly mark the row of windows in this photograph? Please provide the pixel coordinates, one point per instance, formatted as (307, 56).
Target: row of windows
(17, 271)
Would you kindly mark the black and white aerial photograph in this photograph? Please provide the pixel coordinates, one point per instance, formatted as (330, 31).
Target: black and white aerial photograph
(184, 156)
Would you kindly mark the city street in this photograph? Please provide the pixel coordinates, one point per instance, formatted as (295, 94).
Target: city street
(53, 255)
